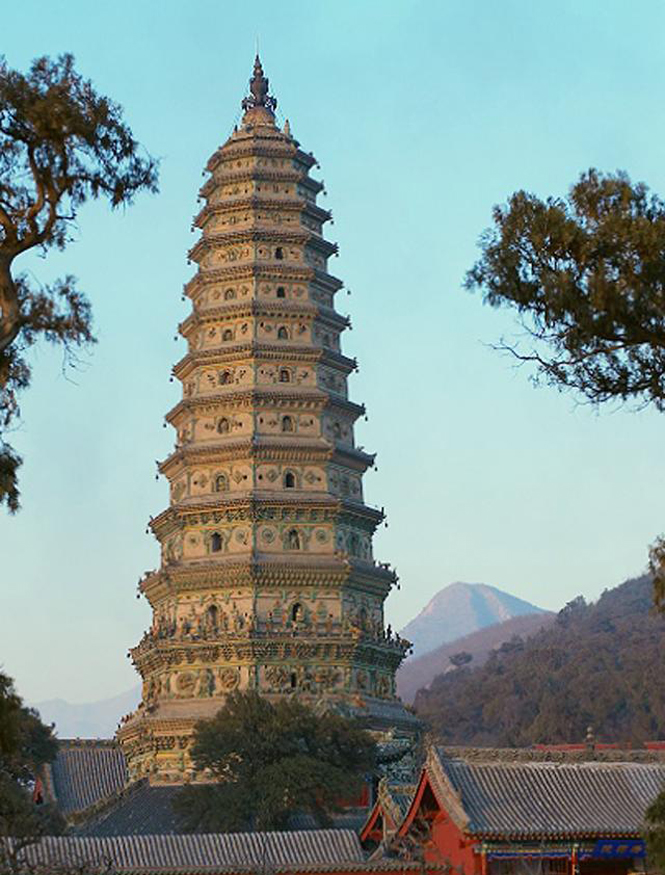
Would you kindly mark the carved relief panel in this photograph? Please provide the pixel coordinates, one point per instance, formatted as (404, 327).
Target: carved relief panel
(285, 373)
(332, 380)
(214, 295)
(283, 330)
(314, 259)
(287, 422)
(338, 430)
(345, 483)
(226, 423)
(282, 290)
(296, 538)
(354, 542)
(327, 337)
(280, 477)
(216, 540)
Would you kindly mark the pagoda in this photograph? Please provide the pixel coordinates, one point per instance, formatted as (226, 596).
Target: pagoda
(267, 579)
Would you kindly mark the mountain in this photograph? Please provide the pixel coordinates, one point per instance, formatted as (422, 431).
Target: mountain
(459, 609)
(419, 671)
(596, 665)
(90, 719)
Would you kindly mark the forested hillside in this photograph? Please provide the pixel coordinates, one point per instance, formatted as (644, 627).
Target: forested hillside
(600, 664)
(420, 671)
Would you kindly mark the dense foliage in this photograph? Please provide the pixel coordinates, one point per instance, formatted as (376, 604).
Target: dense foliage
(61, 144)
(598, 665)
(586, 275)
(269, 761)
(25, 745)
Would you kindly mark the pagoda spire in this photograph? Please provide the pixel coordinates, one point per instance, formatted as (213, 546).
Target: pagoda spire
(258, 87)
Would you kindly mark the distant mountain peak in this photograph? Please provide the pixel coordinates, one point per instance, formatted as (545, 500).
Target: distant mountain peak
(459, 609)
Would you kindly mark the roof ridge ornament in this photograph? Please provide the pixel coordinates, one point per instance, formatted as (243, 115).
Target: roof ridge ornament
(258, 86)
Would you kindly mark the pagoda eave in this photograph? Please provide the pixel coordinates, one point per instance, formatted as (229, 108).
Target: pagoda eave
(264, 449)
(303, 399)
(283, 272)
(208, 276)
(269, 646)
(354, 458)
(355, 410)
(262, 352)
(278, 146)
(322, 571)
(248, 309)
(249, 507)
(298, 206)
(213, 241)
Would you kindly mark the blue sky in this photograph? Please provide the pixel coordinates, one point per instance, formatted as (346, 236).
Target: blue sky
(423, 115)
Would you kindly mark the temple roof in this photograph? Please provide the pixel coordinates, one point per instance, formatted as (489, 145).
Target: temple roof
(539, 798)
(85, 772)
(139, 809)
(88, 783)
(233, 852)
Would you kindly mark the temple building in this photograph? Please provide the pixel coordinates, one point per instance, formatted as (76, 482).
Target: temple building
(267, 579)
(567, 811)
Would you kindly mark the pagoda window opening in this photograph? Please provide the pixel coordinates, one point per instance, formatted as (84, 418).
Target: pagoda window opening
(294, 680)
(227, 334)
(354, 545)
(225, 378)
(297, 613)
(281, 293)
(229, 294)
(284, 376)
(289, 480)
(279, 253)
(293, 540)
(287, 423)
(215, 542)
(212, 616)
(223, 426)
(282, 333)
(221, 483)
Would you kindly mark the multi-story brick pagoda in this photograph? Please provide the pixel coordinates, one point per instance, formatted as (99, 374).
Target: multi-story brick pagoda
(267, 579)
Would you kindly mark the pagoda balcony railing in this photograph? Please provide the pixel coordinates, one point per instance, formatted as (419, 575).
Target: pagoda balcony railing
(184, 634)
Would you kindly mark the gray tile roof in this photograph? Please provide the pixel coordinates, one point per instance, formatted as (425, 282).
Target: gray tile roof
(142, 809)
(85, 772)
(233, 852)
(546, 799)
(401, 796)
(138, 810)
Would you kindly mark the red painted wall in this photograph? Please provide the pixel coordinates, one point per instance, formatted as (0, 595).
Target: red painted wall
(450, 846)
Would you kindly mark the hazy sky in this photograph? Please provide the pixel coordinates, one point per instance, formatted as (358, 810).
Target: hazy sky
(423, 115)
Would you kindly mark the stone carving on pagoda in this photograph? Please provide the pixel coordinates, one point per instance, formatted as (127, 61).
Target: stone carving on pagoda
(267, 579)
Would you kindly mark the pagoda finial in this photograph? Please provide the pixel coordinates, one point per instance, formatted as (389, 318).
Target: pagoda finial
(258, 87)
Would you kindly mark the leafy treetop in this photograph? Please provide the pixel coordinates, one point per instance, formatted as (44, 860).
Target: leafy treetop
(586, 274)
(269, 761)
